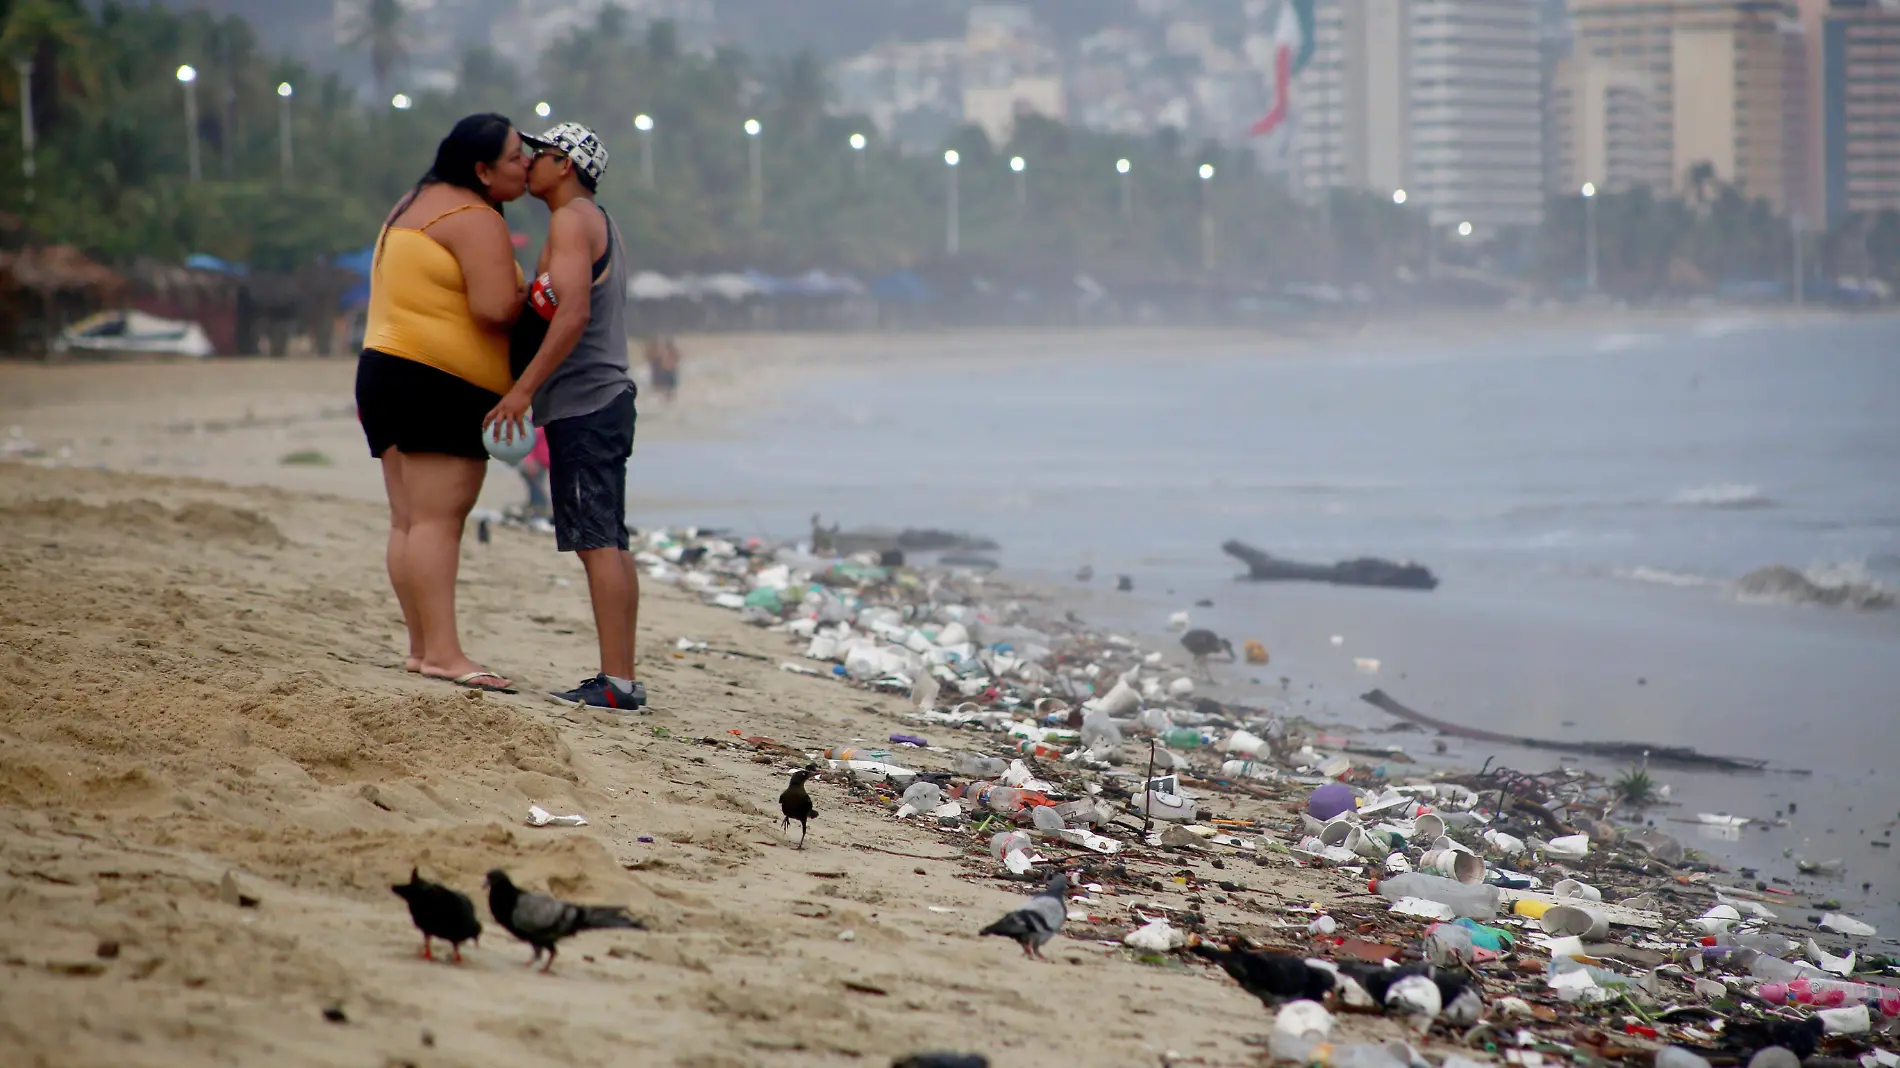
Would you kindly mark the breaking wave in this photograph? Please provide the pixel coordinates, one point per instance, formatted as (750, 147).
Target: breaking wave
(1723, 495)
(1832, 586)
(1656, 576)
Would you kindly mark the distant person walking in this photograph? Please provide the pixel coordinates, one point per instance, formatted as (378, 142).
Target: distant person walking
(581, 392)
(663, 365)
(444, 288)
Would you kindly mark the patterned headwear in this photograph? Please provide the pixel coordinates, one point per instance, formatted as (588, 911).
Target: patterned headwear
(577, 143)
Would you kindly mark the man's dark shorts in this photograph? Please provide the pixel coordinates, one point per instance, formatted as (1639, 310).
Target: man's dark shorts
(587, 476)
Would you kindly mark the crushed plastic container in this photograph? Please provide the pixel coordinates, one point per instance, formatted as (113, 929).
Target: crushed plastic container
(1478, 902)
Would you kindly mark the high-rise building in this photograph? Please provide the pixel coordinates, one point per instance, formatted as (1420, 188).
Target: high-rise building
(1721, 77)
(1608, 126)
(1441, 98)
(1862, 108)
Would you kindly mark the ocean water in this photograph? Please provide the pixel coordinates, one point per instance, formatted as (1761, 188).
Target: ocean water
(1586, 500)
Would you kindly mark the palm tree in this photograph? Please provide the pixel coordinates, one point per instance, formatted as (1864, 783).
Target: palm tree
(379, 28)
(55, 37)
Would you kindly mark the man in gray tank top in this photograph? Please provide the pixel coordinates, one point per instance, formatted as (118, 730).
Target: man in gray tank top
(583, 397)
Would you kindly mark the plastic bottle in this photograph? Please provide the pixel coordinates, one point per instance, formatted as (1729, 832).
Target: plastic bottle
(1763, 966)
(1832, 993)
(1045, 818)
(1183, 738)
(974, 765)
(1040, 750)
(1003, 799)
(1479, 902)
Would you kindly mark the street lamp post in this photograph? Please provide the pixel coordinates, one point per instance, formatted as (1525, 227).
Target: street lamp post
(1800, 268)
(1207, 217)
(188, 77)
(953, 235)
(644, 123)
(27, 166)
(1020, 166)
(1122, 168)
(285, 159)
(1589, 236)
(858, 142)
(752, 131)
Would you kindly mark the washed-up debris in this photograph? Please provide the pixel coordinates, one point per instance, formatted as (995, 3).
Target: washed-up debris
(541, 817)
(1659, 754)
(1365, 571)
(1033, 745)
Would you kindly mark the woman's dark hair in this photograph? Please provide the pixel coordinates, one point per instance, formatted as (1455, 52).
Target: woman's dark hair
(475, 139)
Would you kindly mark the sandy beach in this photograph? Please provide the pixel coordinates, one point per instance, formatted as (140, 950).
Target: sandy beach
(212, 768)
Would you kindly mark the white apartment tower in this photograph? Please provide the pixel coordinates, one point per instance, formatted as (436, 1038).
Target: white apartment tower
(1441, 98)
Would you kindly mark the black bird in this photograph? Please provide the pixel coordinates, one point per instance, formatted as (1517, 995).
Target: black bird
(1038, 920)
(943, 1060)
(1202, 643)
(439, 912)
(1125, 583)
(541, 921)
(1271, 977)
(481, 531)
(1799, 1037)
(795, 803)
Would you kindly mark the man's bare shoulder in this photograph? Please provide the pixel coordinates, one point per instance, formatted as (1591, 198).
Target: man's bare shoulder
(581, 218)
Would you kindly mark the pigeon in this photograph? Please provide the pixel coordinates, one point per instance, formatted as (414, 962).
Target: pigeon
(1272, 977)
(795, 803)
(1203, 643)
(481, 531)
(541, 921)
(1085, 573)
(439, 912)
(1038, 920)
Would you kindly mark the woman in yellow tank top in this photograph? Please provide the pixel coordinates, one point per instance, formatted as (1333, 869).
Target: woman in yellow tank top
(444, 289)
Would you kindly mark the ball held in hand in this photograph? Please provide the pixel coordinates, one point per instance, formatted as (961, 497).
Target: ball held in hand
(495, 438)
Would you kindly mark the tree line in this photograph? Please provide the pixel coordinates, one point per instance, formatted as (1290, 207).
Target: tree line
(111, 172)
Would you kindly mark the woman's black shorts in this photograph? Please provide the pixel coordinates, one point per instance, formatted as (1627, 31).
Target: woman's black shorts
(416, 408)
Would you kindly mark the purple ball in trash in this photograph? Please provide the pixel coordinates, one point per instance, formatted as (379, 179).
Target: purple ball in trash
(1330, 800)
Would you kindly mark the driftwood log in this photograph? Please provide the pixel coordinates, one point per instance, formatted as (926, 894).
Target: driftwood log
(1365, 571)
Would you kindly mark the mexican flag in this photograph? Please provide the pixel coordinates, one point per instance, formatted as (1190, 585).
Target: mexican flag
(1293, 47)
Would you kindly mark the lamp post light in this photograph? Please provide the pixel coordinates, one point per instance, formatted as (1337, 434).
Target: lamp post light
(543, 109)
(644, 123)
(952, 225)
(858, 143)
(752, 131)
(1122, 167)
(1589, 192)
(1398, 197)
(27, 166)
(285, 159)
(401, 102)
(188, 77)
(1464, 229)
(1207, 217)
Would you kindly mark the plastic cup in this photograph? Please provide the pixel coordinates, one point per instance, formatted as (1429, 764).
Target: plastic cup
(1574, 920)
(1337, 830)
(1573, 888)
(1370, 846)
(1428, 827)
